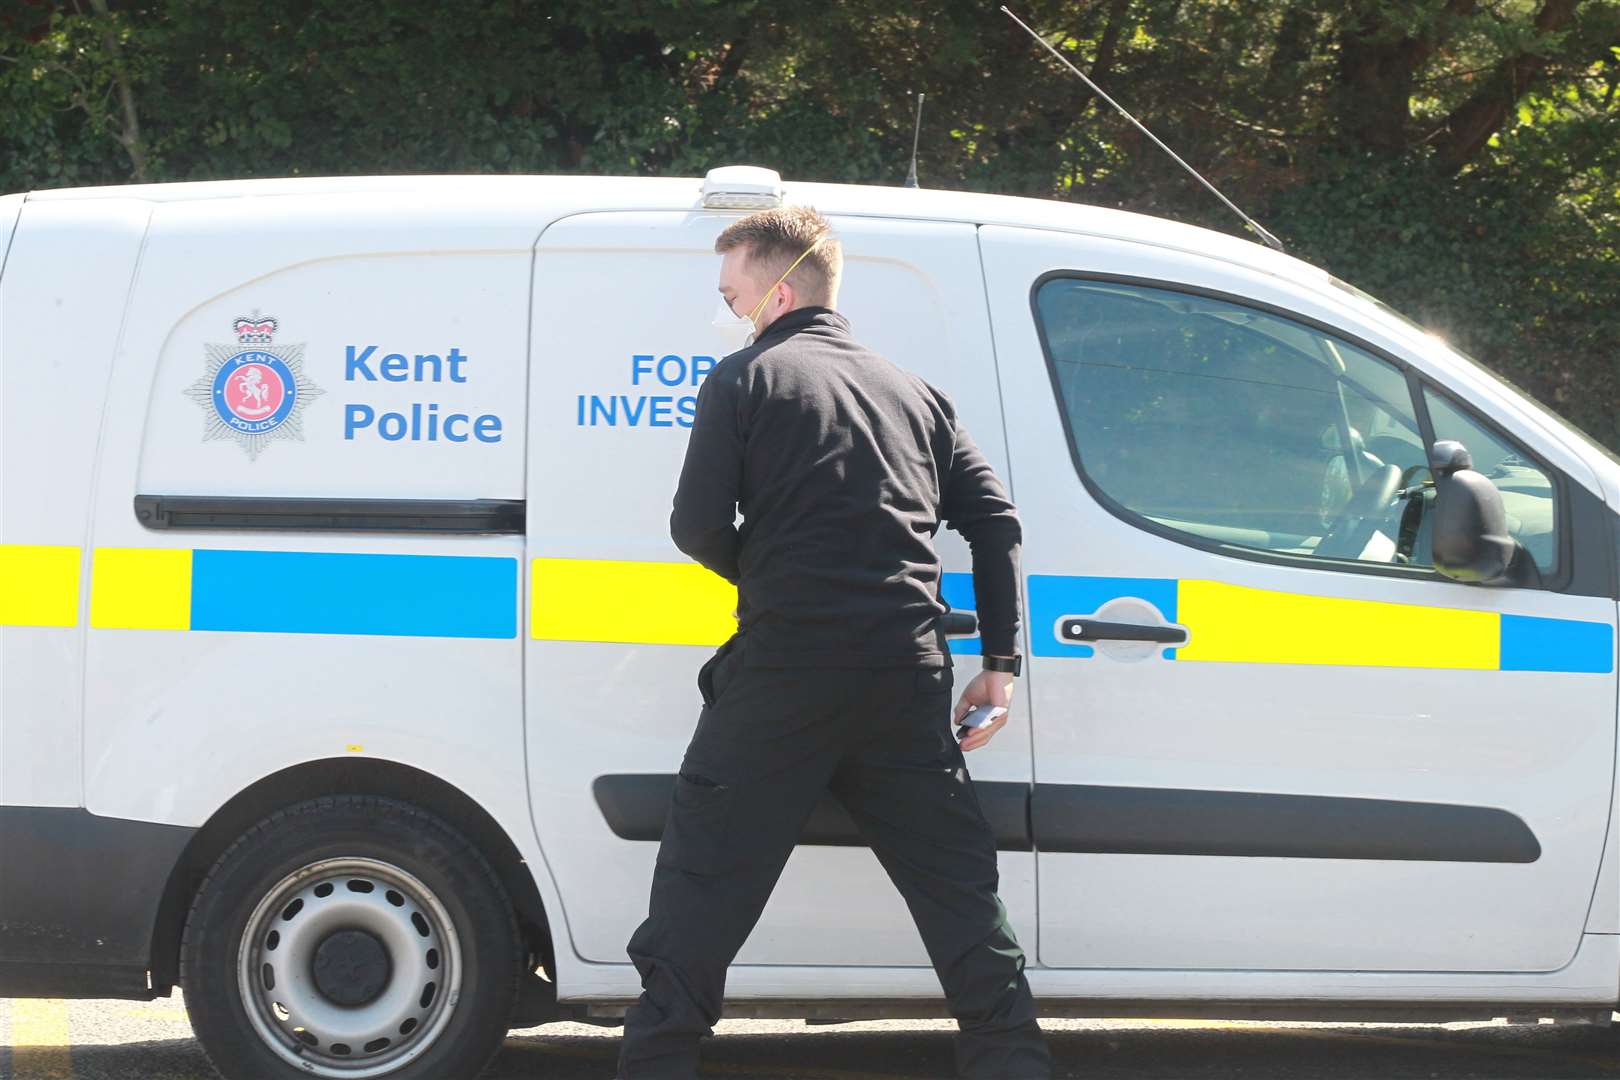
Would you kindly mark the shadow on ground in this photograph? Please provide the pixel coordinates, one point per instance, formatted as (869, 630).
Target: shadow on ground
(1157, 1053)
(860, 1052)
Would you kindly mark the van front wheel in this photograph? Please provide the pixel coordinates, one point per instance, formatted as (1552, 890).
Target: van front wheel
(355, 937)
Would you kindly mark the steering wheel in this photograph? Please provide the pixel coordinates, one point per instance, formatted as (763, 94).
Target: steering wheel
(1351, 528)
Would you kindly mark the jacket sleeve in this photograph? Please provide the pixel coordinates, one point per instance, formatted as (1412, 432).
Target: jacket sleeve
(703, 522)
(974, 504)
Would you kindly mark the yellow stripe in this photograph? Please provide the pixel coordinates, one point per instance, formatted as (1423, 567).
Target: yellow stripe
(39, 586)
(39, 1040)
(1257, 626)
(636, 602)
(141, 589)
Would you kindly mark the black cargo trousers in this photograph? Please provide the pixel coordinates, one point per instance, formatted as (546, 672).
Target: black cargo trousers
(769, 743)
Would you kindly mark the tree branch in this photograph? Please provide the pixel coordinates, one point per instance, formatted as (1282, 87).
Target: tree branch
(1249, 125)
(1108, 47)
(733, 62)
(1420, 48)
(1377, 71)
(129, 136)
(1291, 48)
(1465, 132)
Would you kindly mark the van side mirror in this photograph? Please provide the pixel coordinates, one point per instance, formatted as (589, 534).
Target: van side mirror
(1471, 539)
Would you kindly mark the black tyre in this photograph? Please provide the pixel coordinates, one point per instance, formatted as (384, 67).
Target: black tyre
(353, 937)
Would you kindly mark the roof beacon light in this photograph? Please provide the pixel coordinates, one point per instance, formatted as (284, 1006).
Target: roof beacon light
(742, 187)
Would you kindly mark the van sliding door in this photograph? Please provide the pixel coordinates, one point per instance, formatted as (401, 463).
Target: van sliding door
(619, 620)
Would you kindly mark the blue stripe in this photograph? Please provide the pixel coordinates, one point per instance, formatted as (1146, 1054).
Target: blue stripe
(305, 592)
(1535, 644)
(957, 589)
(1051, 596)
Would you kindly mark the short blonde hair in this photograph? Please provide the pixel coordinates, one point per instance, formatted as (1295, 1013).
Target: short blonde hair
(774, 238)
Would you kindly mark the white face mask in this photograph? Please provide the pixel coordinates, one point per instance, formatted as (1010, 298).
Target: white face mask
(737, 331)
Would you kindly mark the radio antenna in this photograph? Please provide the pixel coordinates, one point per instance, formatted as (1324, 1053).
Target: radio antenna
(1260, 230)
(911, 177)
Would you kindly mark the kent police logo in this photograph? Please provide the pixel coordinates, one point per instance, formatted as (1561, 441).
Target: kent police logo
(255, 395)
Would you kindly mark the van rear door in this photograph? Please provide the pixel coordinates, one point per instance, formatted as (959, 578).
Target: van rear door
(353, 389)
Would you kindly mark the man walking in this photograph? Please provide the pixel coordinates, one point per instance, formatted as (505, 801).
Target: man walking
(838, 678)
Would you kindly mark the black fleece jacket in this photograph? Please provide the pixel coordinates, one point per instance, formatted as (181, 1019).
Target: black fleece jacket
(843, 466)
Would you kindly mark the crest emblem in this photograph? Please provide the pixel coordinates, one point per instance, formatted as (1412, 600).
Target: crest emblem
(253, 391)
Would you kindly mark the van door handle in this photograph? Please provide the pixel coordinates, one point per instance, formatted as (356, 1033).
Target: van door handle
(1097, 630)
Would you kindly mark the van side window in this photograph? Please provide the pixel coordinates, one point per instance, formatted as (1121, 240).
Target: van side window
(1231, 424)
(1527, 491)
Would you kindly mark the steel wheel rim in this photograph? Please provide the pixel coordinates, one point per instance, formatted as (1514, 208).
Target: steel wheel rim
(276, 968)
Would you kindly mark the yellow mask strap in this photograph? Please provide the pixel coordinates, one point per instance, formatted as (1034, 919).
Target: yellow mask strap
(754, 314)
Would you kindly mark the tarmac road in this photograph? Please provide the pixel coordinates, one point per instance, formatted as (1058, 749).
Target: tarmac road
(116, 1040)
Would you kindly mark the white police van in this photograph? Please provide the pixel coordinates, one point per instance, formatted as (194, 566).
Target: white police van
(347, 660)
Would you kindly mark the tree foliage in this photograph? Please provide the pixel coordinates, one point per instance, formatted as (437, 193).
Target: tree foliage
(1459, 158)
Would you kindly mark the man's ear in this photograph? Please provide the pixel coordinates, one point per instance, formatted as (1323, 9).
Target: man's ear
(790, 298)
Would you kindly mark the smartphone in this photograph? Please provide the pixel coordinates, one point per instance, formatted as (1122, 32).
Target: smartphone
(978, 718)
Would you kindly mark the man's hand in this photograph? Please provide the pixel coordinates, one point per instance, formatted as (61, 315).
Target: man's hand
(986, 688)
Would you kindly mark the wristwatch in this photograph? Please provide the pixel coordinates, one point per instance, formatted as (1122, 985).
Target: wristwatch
(1012, 666)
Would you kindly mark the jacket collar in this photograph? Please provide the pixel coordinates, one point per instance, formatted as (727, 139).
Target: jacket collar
(802, 319)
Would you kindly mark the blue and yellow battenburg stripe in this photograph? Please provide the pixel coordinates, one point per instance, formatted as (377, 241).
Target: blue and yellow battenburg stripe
(677, 603)
(303, 592)
(1238, 624)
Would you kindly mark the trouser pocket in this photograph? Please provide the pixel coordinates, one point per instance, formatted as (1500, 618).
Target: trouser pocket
(934, 680)
(697, 835)
(711, 678)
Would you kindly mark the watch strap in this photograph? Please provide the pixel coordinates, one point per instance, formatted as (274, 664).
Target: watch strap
(1013, 666)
